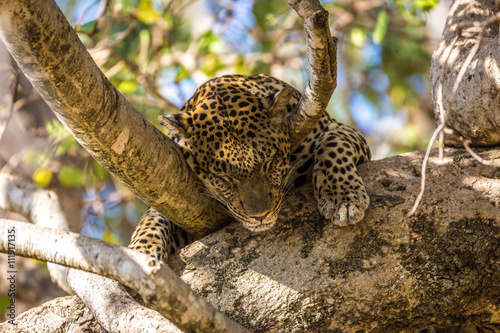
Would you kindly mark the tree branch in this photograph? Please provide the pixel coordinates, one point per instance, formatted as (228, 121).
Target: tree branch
(63, 314)
(157, 284)
(322, 57)
(40, 207)
(51, 55)
(114, 308)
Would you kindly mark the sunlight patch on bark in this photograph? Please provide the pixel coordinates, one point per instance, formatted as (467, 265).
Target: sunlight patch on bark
(120, 143)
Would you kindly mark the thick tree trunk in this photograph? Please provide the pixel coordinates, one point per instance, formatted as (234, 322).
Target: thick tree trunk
(389, 273)
(465, 73)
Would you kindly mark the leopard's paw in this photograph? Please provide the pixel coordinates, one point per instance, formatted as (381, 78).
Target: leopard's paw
(347, 207)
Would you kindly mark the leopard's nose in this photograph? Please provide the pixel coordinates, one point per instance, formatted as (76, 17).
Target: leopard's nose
(256, 199)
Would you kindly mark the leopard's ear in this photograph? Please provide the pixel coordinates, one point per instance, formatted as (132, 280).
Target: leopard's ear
(176, 124)
(280, 102)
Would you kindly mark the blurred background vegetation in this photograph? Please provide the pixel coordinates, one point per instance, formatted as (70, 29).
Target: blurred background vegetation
(156, 52)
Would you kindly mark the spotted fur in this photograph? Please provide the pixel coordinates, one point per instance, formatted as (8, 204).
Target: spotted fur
(234, 135)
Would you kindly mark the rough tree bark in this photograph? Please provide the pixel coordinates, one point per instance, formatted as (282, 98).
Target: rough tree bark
(322, 56)
(390, 273)
(465, 73)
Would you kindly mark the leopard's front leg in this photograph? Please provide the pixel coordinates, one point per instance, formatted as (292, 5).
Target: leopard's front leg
(338, 188)
(157, 236)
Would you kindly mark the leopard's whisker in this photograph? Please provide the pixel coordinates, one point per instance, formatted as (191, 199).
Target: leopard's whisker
(214, 196)
(288, 175)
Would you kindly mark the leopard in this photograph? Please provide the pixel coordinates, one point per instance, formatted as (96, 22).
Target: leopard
(234, 135)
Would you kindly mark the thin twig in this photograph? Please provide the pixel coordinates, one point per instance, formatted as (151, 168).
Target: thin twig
(439, 99)
(466, 143)
(424, 167)
(478, 158)
(439, 131)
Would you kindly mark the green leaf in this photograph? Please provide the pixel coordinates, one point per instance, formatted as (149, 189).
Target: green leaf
(381, 27)
(358, 37)
(88, 27)
(126, 6)
(35, 158)
(425, 5)
(144, 37)
(42, 177)
(66, 146)
(100, 172)
(146, 13)
(71, 176)
(211, 65)
(56, 129)
(127, 87)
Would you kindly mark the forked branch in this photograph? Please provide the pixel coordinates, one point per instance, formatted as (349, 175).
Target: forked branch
(111, 305)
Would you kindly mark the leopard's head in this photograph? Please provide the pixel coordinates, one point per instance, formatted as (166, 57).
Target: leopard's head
(235, 138)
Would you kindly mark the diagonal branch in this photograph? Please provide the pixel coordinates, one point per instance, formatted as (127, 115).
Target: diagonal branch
(51, 55)
(114, 309)
(112, 306)
(158, 285)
